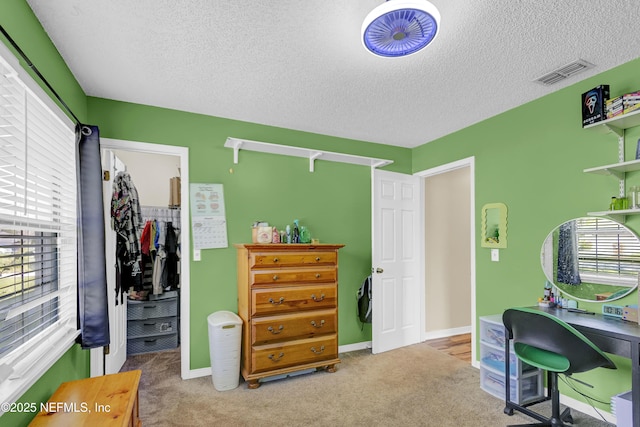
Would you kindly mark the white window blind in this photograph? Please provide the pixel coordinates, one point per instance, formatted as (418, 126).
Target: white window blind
(38, 249)
(607, 252)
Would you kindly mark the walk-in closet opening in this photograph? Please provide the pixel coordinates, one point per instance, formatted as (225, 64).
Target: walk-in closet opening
(144, 241)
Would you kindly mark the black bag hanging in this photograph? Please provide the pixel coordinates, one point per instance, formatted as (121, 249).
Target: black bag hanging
(363, 298)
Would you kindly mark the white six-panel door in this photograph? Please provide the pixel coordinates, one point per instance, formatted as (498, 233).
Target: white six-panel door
(397, 284)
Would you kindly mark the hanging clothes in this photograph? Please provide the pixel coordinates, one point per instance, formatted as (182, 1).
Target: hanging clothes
(126, 221)
(162, 239)
(171, 246)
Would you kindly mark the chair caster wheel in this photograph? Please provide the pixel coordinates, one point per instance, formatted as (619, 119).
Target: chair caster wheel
(508, 411)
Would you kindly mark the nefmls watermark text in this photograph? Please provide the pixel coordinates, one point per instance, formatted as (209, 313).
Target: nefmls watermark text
(73, 407)
(52, 407)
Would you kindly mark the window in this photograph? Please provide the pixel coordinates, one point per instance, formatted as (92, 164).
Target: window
(38, 246)
(607, 252)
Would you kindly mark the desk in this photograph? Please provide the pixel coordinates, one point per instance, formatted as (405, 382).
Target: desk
(108, 400)
(611, 335)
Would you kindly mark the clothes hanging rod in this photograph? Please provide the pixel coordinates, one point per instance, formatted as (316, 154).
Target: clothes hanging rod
(37, 72)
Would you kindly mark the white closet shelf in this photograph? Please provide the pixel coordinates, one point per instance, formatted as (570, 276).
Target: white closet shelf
(308, 153)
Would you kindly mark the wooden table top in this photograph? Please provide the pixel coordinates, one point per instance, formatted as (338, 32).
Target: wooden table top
(107, 400)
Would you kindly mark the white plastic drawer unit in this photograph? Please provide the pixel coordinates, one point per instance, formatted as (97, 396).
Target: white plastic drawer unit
(525, 380)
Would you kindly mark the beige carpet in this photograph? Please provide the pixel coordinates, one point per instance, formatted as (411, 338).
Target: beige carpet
(411, 386)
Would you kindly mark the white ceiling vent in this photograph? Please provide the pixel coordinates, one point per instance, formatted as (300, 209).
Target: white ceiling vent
(565, 71)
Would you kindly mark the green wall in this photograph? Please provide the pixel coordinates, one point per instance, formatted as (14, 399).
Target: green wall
(531, 158)
(334, 201)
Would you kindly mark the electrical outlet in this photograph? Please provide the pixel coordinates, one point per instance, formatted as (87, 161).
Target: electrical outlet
(495, 255)
(196, 254)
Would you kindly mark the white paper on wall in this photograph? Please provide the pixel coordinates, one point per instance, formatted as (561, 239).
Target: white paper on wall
(208, 218)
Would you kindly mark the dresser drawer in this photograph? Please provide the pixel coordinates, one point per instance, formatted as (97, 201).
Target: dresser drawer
(299, 325)
(271, 357)
(292, 298)
(276, 277)
(292, 259)
(140, 310)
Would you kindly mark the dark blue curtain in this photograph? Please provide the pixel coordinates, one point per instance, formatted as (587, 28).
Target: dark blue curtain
(93, 314)
(568, 254)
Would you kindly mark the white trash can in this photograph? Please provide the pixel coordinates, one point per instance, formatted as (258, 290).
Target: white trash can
(225, 333)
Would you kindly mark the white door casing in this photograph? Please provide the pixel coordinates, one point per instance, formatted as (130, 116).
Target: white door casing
(397, 282)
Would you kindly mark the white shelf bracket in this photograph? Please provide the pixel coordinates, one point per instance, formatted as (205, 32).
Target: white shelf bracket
(615, 129)
(312, 161)
(616, 173)
(236, 148)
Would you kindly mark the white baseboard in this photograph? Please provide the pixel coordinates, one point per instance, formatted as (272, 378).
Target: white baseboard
(443, 333)
(197, 373)
(354, 347)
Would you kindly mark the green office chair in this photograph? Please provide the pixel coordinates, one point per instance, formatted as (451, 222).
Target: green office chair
(546, 342)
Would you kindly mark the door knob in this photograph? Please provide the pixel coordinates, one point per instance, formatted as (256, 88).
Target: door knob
(379, 270)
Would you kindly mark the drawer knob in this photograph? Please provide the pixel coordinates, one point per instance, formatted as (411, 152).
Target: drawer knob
(315, 325)
(317, 275)
(313, 349)
(275, 277)
(275, 259)
(280, 301)
(276, 358)
(273, 331)
(317, 258)
(316, 299)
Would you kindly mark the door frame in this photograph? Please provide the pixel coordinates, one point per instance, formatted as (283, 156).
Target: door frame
(449, 167)
(185, 238)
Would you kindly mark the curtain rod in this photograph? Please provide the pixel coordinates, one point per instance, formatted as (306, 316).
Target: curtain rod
(37, 72)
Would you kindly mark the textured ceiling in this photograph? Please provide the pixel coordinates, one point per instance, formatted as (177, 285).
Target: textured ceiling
(301, 65)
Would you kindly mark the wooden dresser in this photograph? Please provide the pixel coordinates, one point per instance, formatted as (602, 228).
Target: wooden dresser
(288, 302)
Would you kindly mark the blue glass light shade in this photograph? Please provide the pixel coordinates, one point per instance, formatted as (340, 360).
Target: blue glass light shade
(400, 27)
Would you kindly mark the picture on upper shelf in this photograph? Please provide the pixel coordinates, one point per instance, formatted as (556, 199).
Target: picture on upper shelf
(593, 105)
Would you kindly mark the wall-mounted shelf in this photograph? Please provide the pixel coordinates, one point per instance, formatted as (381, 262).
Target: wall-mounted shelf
(616, 169)
(308, 153)
(617, 124)
(618, 216)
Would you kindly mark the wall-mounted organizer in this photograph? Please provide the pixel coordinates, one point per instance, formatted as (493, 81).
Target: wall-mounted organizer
(526, 381)
(617, 125)
(307, 153)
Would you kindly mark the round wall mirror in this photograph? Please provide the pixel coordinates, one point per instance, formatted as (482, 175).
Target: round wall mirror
(592, 259)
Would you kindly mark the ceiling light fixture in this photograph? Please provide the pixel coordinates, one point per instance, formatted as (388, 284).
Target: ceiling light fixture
(400, 27)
